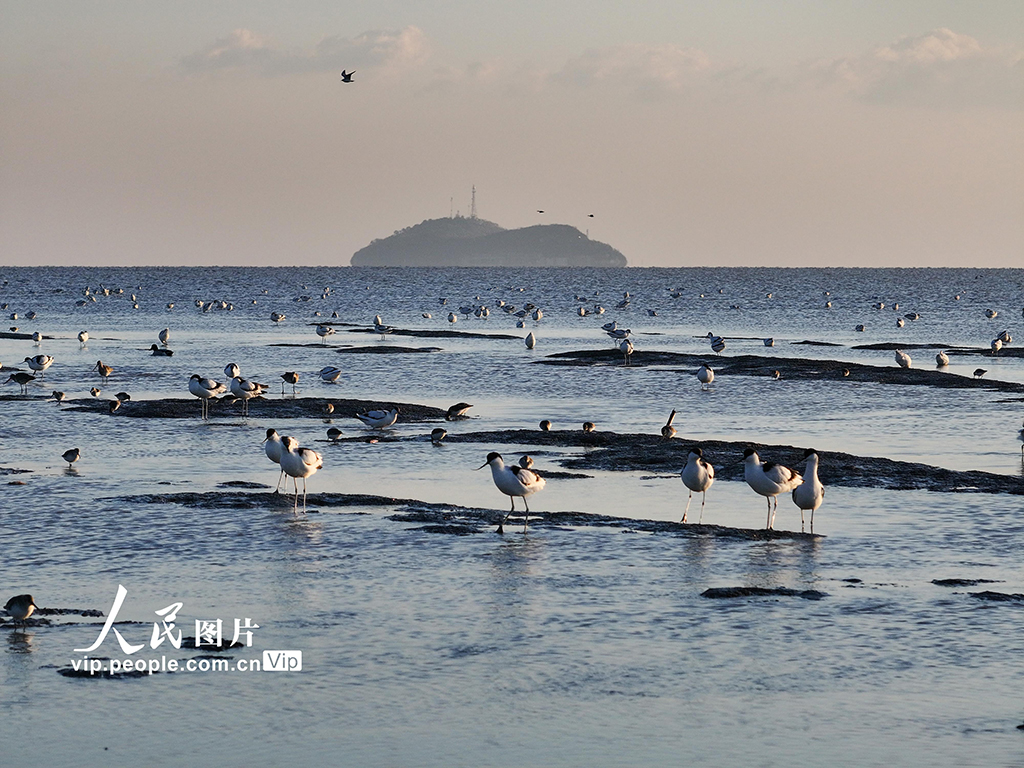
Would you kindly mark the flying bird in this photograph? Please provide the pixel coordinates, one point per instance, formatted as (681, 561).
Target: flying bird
(346, 77)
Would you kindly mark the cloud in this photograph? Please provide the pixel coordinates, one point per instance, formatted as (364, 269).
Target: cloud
(644, 70)
(940, 68)
(245, 50)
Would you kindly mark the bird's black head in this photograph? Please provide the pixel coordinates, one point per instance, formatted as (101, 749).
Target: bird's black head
(809, 452)
(748, 453)
(697, 451)
(271, 433)
(492, 456)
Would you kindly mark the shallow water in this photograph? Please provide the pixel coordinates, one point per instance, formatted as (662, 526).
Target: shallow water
(564, 647)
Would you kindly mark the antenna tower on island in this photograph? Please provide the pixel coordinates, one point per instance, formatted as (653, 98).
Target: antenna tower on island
(472, 204)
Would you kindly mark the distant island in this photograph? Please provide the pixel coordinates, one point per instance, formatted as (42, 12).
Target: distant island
(461, 241)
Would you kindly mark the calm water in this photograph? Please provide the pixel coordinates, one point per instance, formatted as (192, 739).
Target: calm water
(566, 647)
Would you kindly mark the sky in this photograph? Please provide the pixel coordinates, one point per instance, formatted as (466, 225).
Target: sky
(732, 133)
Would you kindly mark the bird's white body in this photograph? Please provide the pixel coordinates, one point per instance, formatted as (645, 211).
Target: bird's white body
(697, 475)
(39, 362)
(272, 447)
(942, 360)
(379, 419)
(531, 340)
(164, 336)
(626, 347)
(83, 337)
(245, 390)
(71, 456)
(329, 374)
(299, 462)
(810, 493)
(514, 481)
(705, 375)
(769, 480)
(231, 370)
(903, 359)
(323, 331)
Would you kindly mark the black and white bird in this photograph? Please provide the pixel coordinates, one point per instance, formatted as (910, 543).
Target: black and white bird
(204, 389)
(272, 447)
(668, 431)
(457, 411)
(769, 480)
(379, 419)
(810, 493)
(299, 462)
(71, 456)
(545, 426)
(705, 375)
(20, 607)
(513, 481)
(437, 435)
(158, 352)
(697, 475)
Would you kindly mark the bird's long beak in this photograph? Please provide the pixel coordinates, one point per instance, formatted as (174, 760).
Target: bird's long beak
(480, 467)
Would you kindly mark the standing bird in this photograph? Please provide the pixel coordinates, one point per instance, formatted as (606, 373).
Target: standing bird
(378, 419)
(513, 481)
(231, 370)
(103, 370)
(299, 462)
(545, 426)
(164, 335)
(329, 374)
(333, 434)
(58, 396)
(997, 344)
(697, 475)
(113, 406)
(291, 377)
(323, 331)
(457, 411)
(22, 379)
(526, 462)
(768, 479)
(627, 350)
(437, 435)
(705, 375)
(903, 359)
(452, 318)
(979, 372)
(39, 363)
(246, 390)
(941, 360)
(205, 390)
(83, 337)
(531, 340)
(71, 456)
(1020, 436)
(20, 607)
(668, 431)
(272, 447)
(810, 493)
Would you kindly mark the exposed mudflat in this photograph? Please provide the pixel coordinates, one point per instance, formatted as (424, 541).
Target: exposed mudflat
(280, 408)
(652, 453)
(725, 593)
(456, 520)
(380, 349)
(789, 368)
(445, 334)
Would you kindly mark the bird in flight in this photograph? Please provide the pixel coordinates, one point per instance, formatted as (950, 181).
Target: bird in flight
(346, 77)
(539, 211)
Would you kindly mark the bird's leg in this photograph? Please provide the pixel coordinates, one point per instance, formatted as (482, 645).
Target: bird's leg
(501, 525)
(801, 520)
(768, 522)
(303, 495)
(526, 517)
(703, 498)
(687, 508)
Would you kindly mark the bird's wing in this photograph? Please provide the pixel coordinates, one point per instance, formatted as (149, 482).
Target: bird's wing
(527, 477)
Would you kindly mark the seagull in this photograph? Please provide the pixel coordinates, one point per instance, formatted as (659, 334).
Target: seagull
(323, 331)
(437, 435)
(20, 607)
(329, 374)
(697, 475)
(204, 389)
(941, 360)
(513, 481)
(668, 431)
(299, 462)
(246, 390)
(346, 77)
(457, 411)
(810, 493)
(164, 335)
(378, 419)
(545, 426)
(39, 363)
(157, 352)
(103, 370)
(22, 379)
(627, 350)
(272, 447)
(333, 434)
(71, 456)
(705, 375)
(291, 377)
(768, 479)
(902, 358)
(83, 337)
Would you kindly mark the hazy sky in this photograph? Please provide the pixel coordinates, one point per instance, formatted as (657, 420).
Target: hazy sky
(789, 132)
